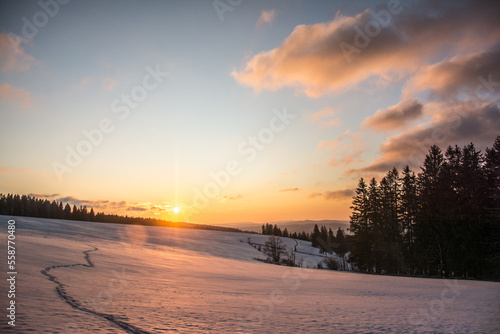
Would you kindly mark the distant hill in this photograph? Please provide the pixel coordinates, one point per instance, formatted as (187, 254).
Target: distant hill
(292, 226)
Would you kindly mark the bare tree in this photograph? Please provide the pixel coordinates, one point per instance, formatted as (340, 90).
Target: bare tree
(274, 249)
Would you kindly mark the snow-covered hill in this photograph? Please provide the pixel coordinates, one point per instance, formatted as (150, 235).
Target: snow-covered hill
(113, 278)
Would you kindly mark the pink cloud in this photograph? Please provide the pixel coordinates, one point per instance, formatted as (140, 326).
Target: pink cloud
(395, 117)
(108, 84)
(330, 123)
(12, 55)
(85, 81)
(334, 143)
(347, 160)
(266, 17)
(323, 113)
(476, 74)
(15, 96)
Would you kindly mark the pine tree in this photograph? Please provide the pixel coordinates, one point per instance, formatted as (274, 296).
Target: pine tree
(323, 240)
(430, 231)
(491, 241)
(471, 204)
(408, 213)
(315, 236)
(360, 228)
(388, 229)
(67, 211)
(75, 214)
(331, 240)
(276, 231)
(341, 243)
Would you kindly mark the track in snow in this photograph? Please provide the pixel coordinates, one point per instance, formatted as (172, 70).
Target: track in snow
(61, 291)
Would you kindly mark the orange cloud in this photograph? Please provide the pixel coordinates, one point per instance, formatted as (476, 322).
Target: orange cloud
(12, 55)
(395, 117)
(10, 170)
(476, 74)
(311, 59)
(230, 198)
(289, 189)
(287, 173)
(334, 143)
(323, 113)
(342, 194)
(16, 96)
(85, 81)
(43, 195)
(347, 160)
(266, 17)
(108, 84)
(330, 123)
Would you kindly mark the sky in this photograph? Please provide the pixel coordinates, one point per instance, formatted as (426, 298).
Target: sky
(237, 110)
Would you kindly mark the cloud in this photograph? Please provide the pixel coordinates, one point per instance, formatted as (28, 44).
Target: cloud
(15, 96)
(476, 74)
(12, 55)
(230, 198)
(323, 113)
(289, 189)
(346, 160)
(108, 84)
(85, 81)
(311, 58)
(132, 208)
(330, 123)
(342, 194)
(102, 205)
(266, 17)
(322, 116)
(10, 170)
(334, 143)
(395, 117)
(43, 195)
(453, 123)
(347, 149)
(287, 173)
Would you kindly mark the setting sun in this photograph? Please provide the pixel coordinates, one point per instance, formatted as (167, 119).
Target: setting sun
(177, 209)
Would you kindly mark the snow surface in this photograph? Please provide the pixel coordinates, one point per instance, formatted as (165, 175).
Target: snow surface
(161, 280)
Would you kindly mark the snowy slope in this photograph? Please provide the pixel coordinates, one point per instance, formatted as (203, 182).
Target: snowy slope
(162, 280)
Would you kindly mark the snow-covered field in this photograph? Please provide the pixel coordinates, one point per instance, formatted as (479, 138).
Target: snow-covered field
(111, 278)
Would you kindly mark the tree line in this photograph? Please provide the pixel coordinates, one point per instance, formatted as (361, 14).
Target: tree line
(269, 229)
(442, 222)
(321, 237)
(29, 206)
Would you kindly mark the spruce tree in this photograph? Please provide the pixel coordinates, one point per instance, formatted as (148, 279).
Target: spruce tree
(315, 236)
(360, 228)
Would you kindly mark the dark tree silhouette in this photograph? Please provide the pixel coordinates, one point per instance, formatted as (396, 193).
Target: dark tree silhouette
(443, 222)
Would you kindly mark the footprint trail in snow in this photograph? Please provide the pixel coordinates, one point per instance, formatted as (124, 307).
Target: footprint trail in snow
(61, 291)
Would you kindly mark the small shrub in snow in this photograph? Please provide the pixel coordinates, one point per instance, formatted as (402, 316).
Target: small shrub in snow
(331, 263)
